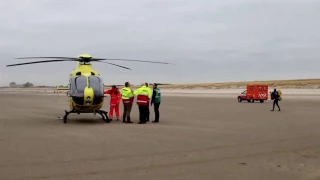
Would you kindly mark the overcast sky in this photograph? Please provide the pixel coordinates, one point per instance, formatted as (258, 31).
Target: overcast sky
(208, 40)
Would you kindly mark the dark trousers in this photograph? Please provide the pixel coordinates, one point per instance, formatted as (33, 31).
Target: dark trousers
(275, 102)
(143, 112)
(156, 111)
(148, 113)
(127, 110)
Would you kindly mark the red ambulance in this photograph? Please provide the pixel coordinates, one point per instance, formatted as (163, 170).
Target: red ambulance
(254, 92)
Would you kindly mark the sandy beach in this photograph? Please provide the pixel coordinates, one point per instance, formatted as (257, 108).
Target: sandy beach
(197, 138)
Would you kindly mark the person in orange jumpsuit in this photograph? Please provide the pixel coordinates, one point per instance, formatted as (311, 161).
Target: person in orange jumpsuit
(115, 98)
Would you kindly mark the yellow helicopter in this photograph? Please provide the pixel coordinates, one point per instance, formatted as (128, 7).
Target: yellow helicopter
(86, 88)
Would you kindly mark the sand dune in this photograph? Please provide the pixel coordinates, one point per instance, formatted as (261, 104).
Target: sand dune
(288, 87)
(283, 84)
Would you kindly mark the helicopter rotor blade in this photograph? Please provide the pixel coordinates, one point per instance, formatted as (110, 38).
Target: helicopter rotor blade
(47, 58)
(92, 59)
(114, 65)
(129, 60)
(36, 62)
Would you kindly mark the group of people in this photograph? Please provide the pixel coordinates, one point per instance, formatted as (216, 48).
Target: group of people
(145, 97)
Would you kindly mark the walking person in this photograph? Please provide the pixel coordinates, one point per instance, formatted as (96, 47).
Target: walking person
(143, 98)
(156, 100)
(275, 97)
(127, 100)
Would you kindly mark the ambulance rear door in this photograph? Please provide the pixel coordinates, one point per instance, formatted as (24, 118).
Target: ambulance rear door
(262, 92)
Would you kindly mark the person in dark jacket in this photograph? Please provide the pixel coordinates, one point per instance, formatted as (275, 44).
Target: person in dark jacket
(148, 108)
(275, 97)
(156, 100)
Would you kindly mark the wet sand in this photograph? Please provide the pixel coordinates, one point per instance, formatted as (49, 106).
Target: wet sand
(198, 137)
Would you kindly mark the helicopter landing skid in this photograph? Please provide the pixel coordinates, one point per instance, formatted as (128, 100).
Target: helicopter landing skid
(103, 114)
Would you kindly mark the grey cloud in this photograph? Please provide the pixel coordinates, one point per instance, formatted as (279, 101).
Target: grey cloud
(209, 40)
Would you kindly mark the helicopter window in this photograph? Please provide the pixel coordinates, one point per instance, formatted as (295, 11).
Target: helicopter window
(78, 85)
(97, 85)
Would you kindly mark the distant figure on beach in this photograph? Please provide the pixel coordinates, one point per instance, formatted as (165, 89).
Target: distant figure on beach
(275, 98)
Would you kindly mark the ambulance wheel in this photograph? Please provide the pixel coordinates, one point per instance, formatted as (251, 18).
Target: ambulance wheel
(239, 99)
(261, 101)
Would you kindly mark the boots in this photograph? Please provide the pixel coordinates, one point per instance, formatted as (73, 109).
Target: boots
(124, 119)
(129, 120)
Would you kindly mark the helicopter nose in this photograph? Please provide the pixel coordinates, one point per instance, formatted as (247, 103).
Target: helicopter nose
(88, 101)
(88, 94)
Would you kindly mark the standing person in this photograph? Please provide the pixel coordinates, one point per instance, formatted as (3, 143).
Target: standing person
(115, 98)
(156, 100)
(127, 100)
(148, 109)
(275, 97)
(143, 98)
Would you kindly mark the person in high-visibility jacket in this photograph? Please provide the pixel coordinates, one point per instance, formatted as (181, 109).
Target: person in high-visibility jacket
(115, 98)
(143, 98)
(127, 100)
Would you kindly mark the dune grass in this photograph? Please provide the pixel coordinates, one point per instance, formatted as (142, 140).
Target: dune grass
(295, 84)
(290, 84)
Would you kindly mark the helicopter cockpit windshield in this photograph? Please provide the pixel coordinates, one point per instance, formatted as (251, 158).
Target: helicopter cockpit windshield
(77, 86)
(79, 83)
(97, 85)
